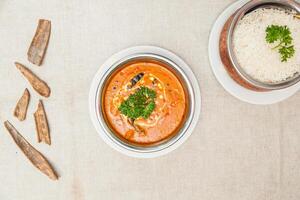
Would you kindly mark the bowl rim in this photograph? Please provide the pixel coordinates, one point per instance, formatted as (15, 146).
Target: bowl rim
(291, 4)
(112, 64)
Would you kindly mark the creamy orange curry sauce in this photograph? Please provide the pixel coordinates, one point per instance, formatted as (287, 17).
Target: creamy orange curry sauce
(170, 102)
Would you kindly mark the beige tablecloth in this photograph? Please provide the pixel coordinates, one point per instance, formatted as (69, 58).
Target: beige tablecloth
(237, 152)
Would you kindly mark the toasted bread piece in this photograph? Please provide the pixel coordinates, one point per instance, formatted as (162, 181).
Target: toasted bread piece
(39, 44)
(41, 124)
(38, 85)
(22, 105)
(35, 157)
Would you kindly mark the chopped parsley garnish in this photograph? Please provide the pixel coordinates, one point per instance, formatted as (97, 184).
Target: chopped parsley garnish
(281, 35)
(139, 104)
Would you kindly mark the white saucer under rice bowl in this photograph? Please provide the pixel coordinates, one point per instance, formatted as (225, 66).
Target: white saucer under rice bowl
(255, 55)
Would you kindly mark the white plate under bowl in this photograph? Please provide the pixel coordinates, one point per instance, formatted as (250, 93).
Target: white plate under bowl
(249, 96)
(93, 97)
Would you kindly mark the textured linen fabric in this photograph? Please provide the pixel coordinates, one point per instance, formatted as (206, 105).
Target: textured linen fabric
(238, 151)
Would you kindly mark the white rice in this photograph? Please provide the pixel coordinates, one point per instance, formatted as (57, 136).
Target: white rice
(255, 55)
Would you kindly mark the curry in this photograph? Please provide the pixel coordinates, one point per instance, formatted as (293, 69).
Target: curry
(144, 102)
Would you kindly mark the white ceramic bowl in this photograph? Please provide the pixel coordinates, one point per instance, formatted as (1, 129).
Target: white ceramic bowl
(95, 101)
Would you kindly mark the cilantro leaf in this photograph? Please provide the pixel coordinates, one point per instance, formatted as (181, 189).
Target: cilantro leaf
(139, 104)
(286, 52)
(148, 110)
(281, 35)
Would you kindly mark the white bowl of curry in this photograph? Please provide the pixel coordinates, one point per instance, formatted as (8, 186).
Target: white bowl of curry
(144, 101)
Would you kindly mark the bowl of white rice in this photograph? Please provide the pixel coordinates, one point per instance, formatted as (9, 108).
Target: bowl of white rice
(263, 44)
